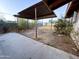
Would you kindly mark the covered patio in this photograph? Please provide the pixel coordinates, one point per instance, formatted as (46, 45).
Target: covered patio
(37, 12)
(41, 10)
(17, 46)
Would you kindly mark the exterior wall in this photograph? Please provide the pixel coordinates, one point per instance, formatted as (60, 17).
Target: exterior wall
(76, 25)
(75, 33)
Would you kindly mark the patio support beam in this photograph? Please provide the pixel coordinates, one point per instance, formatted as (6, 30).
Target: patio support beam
(36, 35)
(17, 22)
(51, 24)
(42, 22)
(27, 24)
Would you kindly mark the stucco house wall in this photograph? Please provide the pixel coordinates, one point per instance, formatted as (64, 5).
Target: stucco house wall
(75, 33)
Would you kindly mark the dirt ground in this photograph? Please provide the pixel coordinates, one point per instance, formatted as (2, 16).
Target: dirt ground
(46, 35)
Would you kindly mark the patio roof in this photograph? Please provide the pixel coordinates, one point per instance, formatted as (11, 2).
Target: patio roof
(73, 7)
(54, 4)
(43, 11)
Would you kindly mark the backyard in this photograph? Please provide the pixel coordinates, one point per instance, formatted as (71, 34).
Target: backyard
(47, 36)
(39, 29)
(45, 33)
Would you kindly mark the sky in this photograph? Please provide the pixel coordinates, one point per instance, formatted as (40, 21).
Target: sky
(11, 7)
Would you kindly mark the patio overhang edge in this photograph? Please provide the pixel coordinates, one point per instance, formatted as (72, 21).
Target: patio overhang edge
(73, 7)
(50, 14)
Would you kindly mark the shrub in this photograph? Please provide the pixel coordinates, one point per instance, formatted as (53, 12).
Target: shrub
(32, 24)
(63, 27)
(24, 24)
(7, 26)
(11, 26)
(21, 24)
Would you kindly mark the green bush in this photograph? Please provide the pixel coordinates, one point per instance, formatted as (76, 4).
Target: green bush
(31, 24)
(21, 24)
(63, 27)
(11, 26)
(7, 26)
(24, 24)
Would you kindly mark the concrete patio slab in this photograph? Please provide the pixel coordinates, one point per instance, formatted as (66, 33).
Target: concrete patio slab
(16, 46)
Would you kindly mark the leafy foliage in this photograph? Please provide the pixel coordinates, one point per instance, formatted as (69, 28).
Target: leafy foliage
(7, 26)
(63, 27)
(21, 24)
(32, 24)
